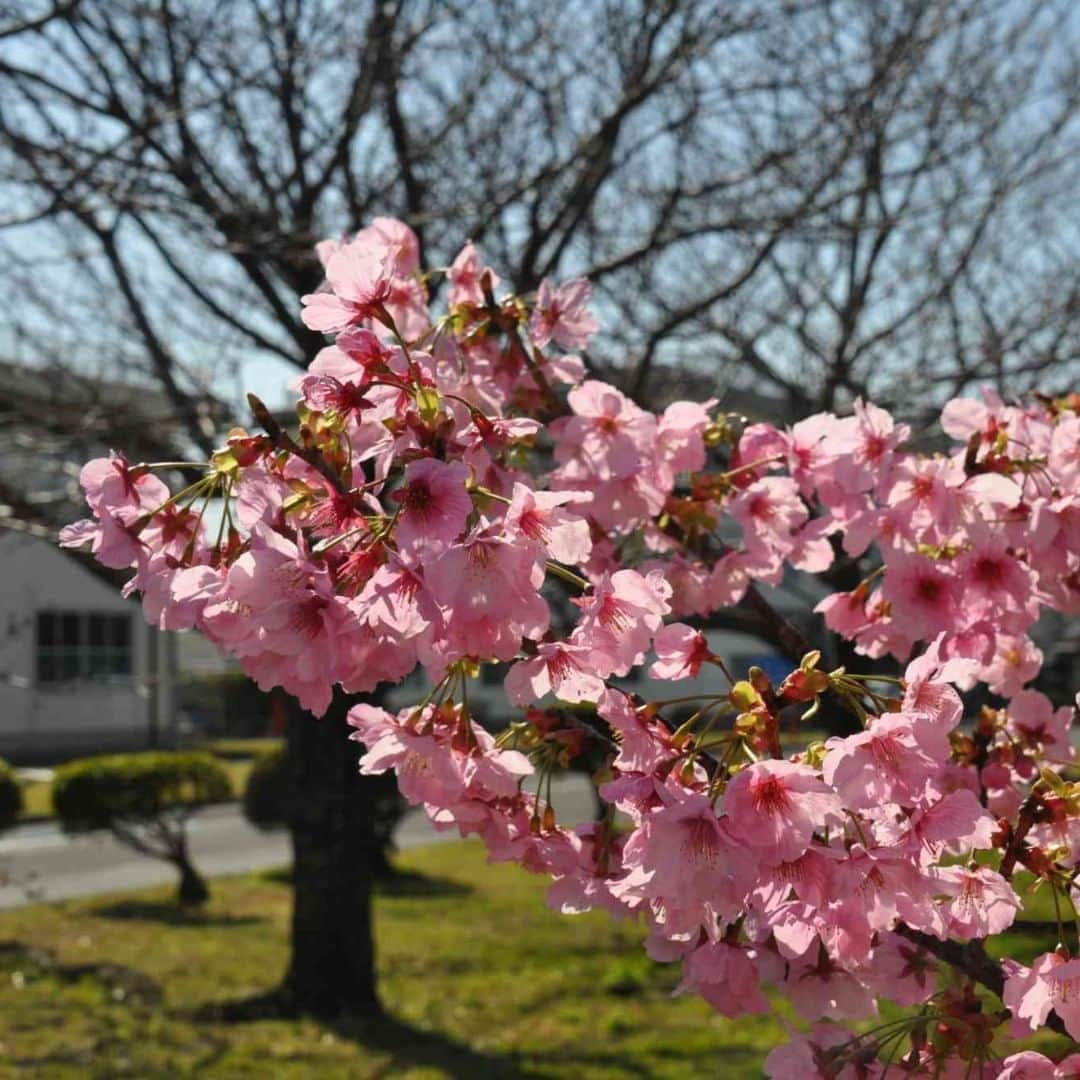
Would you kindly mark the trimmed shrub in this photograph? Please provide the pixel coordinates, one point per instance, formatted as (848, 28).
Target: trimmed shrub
(266, 793)
(11, 801)
(145, 800)
(267, 803)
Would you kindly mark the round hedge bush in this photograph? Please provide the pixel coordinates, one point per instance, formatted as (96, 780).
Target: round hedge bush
(11, 801)
(266, 792)
(93, 793)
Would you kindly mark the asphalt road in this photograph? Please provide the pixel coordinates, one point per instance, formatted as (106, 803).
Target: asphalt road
(39, 862)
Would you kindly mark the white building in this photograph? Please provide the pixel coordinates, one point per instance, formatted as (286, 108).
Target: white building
(80, 671)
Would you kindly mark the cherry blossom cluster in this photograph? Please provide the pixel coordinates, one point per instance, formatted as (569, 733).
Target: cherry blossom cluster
(457, 493)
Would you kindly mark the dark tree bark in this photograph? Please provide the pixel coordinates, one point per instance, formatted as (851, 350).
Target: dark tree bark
(193, 889)
(335, 853)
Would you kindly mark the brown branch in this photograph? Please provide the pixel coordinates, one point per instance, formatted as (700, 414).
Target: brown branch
(60, 9)
(971, 959)
(284, 441)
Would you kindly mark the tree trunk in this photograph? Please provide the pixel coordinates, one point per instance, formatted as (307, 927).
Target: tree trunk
(193, 889)
(332, 968)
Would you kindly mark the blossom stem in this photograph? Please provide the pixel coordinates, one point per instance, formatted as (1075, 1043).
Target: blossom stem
(225, 516)
(689, 698)
(739, 470)
(719, 662)
(567, 575)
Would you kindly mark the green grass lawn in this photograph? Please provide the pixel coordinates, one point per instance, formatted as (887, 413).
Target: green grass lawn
(481, 979)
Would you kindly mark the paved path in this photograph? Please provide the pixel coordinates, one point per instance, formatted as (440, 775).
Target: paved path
(57, 867)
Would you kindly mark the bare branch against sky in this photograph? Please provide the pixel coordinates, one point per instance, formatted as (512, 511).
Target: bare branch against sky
(811, 199)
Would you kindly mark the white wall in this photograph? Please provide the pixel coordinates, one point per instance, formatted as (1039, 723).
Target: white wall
(75, 718)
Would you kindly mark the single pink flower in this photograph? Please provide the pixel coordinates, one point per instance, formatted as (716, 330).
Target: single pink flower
(619, 618)
(769, 511)
(643, 744)
(686, 862)
(981, 902)
(680, 652)
(562, 668)
(435, 504)
(1016, 661)
(922, 593)
(845, 612)
(679, 435)
(607, 432)
(488, 590)
(465, 274)
(776, 807)
(359, 288)
(871, 442)
(1033, 720)
(883, 764)
(901, 971)
(1051, 983)
(957, 823)
(992, 579)
(561, 315)
(540, 516)
(112, 484)
(725, 976)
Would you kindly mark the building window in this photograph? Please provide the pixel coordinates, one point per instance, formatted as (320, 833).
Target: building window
(78, 646)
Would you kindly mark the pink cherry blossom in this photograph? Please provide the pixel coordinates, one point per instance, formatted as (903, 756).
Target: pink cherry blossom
(435, 504)
(359, 287)
(1051, 983)
(465, 274)
(982, 901)
(608, 433)
(922, 592)
(540, 516)
(776, 807)
(458, 493)
(725, 976)
(562, 316)
(619, 618)
(560, 668)
(883, 764)
(680, 652)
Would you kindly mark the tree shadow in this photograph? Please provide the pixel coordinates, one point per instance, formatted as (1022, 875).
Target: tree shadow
(730, 1057)
(394, 882)
(123, 983)
(414, 883)
(171, 914)
(412, 1047)
(407, 1045)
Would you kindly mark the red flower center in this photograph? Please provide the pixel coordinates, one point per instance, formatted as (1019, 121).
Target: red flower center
(770, 796)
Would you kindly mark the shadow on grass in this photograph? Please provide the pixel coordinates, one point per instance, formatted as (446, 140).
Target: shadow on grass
(170, 913)
(407, 1045)
(411, 1047)
(123, 983)
(729, 1058)
(398, 883)
(413, 883)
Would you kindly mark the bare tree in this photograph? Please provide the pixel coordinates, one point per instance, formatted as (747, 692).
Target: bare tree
(809, 199)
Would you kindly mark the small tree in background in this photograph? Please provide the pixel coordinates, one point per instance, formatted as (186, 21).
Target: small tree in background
(10, 796)
(145, 800)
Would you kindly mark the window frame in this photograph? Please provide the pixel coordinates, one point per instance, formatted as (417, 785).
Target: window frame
(75, 648)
